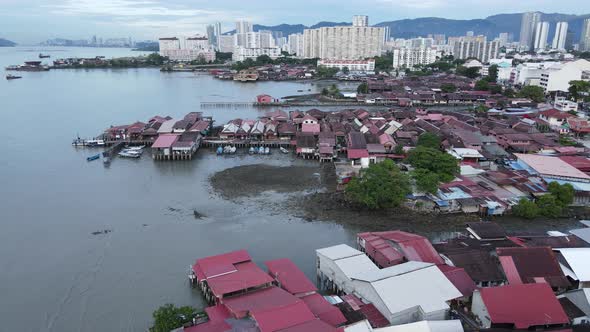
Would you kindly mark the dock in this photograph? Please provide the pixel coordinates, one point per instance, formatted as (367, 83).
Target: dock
(246, 143)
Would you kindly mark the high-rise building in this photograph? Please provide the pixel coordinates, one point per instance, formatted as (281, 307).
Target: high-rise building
(243, 27)
(541, 33)
(360, 21)
(188, 49)
(560, 36)
(343, 42)
(474, 47)
(503, 38)
(217, 31)
(527, 29)
(211, 34)
(409, 57)
(569, 40)
(585, 36)
(295, 42)
(226, 43)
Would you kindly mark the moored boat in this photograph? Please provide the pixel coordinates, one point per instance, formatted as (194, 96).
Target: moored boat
(12, 77)
(283, 150)
(44, 56)
(267, 150)
(91, 158)
(261, 150)
(94, 142)
(252, 150)
(130, 153)
(219, 150)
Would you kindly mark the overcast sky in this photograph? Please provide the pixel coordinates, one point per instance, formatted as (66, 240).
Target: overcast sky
(32, 21)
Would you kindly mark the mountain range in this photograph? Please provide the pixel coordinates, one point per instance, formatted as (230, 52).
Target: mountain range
(6, 43)
(490, 26)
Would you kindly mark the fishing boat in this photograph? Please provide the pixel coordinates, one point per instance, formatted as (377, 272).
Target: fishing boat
(135, 148)
(283, 150)
(219, 150)
(44, 56)
(91, 158)
(130, 154)
(106, 160)
(233, 150)
(252, 150)
(267, 150)
(261, 150)
(12, 77)
(94, 142)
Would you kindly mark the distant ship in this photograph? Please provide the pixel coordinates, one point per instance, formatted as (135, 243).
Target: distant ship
(12, 77)
(44, 56)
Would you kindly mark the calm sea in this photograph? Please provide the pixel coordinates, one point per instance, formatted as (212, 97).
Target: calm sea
(54, 274)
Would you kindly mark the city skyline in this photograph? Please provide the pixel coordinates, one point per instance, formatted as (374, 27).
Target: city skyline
(149, 19)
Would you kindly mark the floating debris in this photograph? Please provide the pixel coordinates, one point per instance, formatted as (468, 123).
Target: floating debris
(106, 231)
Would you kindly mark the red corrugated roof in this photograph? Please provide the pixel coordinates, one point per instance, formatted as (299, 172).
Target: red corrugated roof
(260, 300)
(524, 305)
(357, 153)
(531, 263)
(217, 316)
(324, 310)
(247, 275)
(219, 264)
(460, 279)
(374, 317)
(414, 247)
(289, 276)
(282, 318)
(165, 141)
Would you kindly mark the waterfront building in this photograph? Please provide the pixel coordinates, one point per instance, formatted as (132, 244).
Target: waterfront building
(541, 33)
(585, 36)
(560, 36)
(192, 48)
(343, 42)
(242, 53)
(361, 66)
(527, 29)
(410, 57)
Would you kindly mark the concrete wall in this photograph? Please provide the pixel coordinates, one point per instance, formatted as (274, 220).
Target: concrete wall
(479, 309)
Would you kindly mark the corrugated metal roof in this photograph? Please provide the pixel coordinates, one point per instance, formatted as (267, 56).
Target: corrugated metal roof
(259, 300)
(523, 305)
(551, 166)
(392, 271)
(427, 326)
(339, 251)
(578, 259)
(582, 233)
(289, 276)
(324, 310)
(283, 317)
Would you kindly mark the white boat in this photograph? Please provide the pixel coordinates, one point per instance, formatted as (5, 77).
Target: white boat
(130, 154)
(267, 150)
(261, 150)
(135, 148)
(95, 142)
(252, 150)
(233, 150)
(283, 150)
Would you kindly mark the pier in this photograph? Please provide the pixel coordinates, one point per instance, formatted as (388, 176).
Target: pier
(246, 143)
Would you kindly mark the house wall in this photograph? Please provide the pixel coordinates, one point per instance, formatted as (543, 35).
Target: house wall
(479, 309)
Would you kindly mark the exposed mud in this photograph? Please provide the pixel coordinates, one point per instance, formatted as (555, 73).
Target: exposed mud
(251, 180)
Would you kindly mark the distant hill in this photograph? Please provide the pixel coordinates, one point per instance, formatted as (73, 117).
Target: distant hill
(409, 28)
(6, 43)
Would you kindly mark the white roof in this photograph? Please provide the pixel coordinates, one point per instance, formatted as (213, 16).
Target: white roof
(551, 166)
(427, 288)
(339, 251)
(470, 170)
(362, 326)
(166, 126)
(392, 271)
(355, 265)
(578, 260)
(426, 326)
(582, 233)
(585, 222)
(461, 153)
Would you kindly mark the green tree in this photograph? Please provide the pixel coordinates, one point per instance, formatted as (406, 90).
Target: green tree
(384, 63)
(509, 93)
(525, 209)
(482, 85)
(426, 181)
(156, 59)
(264, 60)
(169, 317)
(495, 89)
(429, 140)
(577, 87)
(399, 150)
(345, 70)
(448, 87)
(549, 206)
(380, 186)
(363, 88)
(564, 194)
(534, 93)
(434, 160)
(472, 72)
(493, 73)
(325, 72)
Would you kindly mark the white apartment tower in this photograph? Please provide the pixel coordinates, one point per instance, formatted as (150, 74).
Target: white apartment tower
(474, 47)
(343, 42)
(242, 30)
(360, 21)
(560, 36)
(541, 33)
(527, 29)
(585, 36)
(409, 57)
(295, 42)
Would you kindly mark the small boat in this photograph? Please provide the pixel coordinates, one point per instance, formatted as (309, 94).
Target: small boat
(91, 158)
(267, 150)
(233, 150)
(95, 142)
(135, 148)
(219, 150)
(129, 154)
(283, 150)
(261, 150)
(12, 77)
(106, 160)
(44, 56)
(252, 150)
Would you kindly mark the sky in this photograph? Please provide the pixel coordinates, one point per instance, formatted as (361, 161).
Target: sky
(33, 21)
